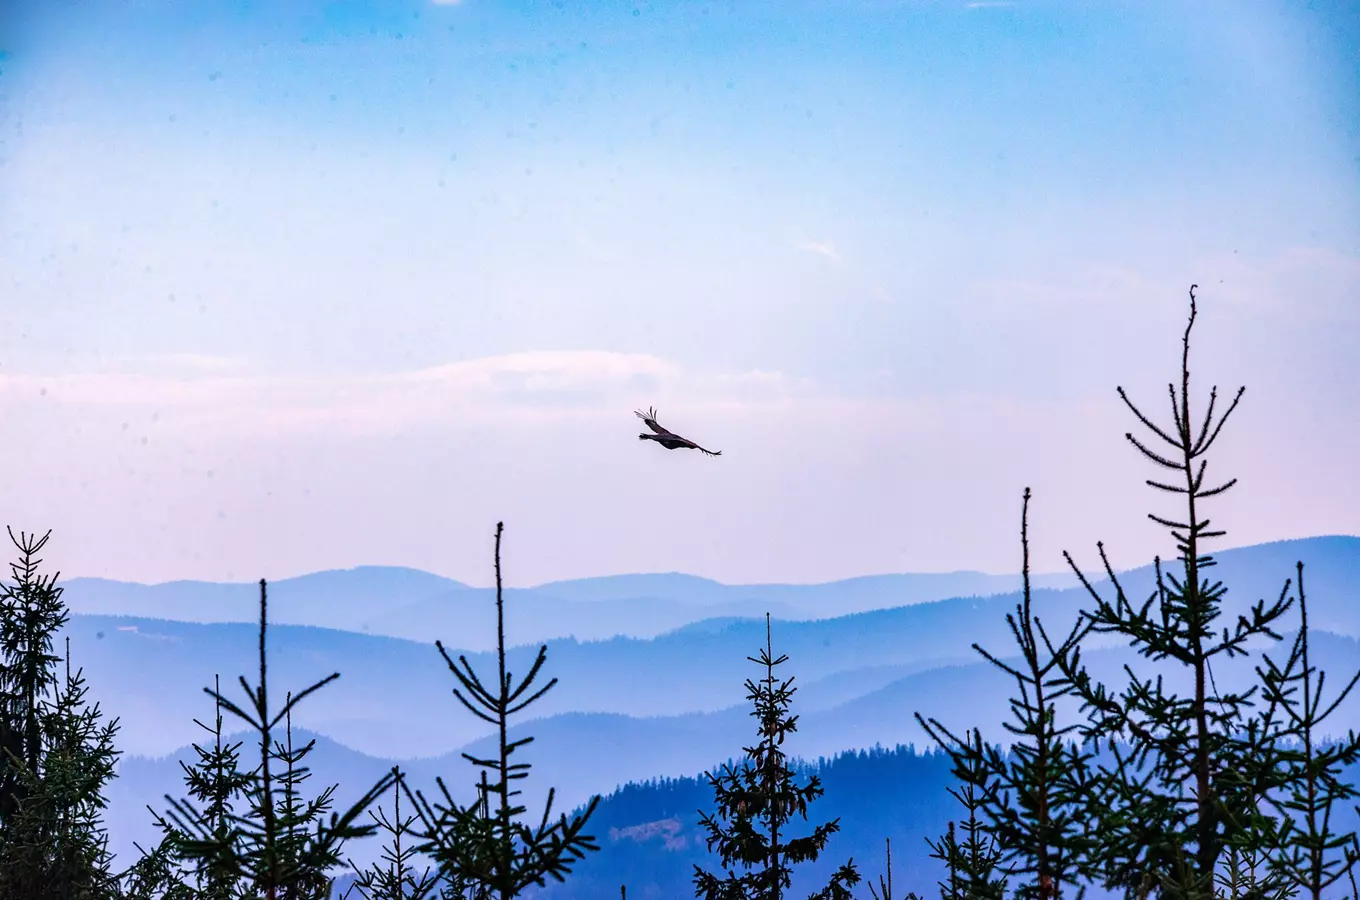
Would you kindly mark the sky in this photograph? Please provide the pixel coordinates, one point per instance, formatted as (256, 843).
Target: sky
(305, 285)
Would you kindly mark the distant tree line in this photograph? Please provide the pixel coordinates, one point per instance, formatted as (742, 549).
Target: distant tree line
(1213, 795)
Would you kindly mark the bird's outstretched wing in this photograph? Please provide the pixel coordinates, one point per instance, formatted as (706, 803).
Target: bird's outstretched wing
(669, 439)
(675, 442)
(649, 417)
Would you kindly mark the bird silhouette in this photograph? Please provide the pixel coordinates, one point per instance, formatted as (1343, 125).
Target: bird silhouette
(668, 439)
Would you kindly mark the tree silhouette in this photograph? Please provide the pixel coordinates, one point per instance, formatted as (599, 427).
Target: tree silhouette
(1309, 856)
(215, 779)
(884, 891)
(973, 869)
(399, 877)
(1030, 797)
(56, 752)
(1184, 782)
(496, 853)
(281, 845)
(759, 799)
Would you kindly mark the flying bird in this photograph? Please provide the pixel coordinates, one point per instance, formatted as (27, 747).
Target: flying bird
(667, 439)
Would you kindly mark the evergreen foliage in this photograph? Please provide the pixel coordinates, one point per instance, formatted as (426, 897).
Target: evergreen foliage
(56, 752)
(973, 866)
(400, 878)
(1165, 811)
(281, 847)
(1309, 856)
(1031, 796)
(215, 780)
(758, 799)
(492, 851)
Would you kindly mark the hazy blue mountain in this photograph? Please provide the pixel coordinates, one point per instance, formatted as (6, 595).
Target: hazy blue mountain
(470, 616)
(841, 687)
(347, 599)
(408, 603)
(368, 593)
(394, 695)
(143, 782)
(847, 595)
(152, 674)
(418, 606)
(656, 586)
(585, 753)
(650, 839)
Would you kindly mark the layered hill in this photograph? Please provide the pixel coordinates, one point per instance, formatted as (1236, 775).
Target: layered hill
(394, 697)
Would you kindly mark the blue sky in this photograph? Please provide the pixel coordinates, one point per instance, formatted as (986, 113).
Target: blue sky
(300, 285)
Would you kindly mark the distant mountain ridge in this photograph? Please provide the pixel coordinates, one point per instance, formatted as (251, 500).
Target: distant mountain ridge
(584, 753)
(409, 603)
(151, 672)
(336, 598)
(628, 709)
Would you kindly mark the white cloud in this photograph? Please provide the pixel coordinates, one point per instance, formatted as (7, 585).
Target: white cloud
(821, 248)
(209, 392)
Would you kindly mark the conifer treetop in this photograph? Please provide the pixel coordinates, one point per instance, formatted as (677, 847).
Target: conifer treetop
(758, 799)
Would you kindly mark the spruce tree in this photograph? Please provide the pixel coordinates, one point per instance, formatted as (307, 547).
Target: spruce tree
(946, 849)
(56, 751)
(296, 816)
(398, 876)
(1184, 783)
(485, 848)
(216, 780)
(759, 799)
(1030, 797)
(78, 765)
(1308, 855)
(280, 846)
(973, 867)
(31, 612)
(156, 875)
